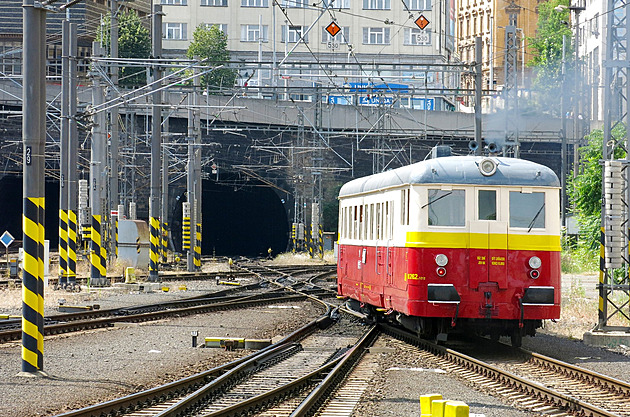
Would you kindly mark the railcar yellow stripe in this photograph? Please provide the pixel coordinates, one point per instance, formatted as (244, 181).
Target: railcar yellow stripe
(482, 241)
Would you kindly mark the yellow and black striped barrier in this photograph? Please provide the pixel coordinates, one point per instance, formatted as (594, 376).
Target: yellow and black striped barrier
(31, 314)
(63, 247)
(164, 242)
(72, 246)
(154, 240)
(186, 234)
(197, 251)
(97, 270)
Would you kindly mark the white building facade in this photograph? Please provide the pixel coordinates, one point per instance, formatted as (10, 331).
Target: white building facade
(591, 34)
(376, 38)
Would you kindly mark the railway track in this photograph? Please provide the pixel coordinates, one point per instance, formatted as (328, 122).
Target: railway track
(291, 377)
(533, 382)
(248, 296)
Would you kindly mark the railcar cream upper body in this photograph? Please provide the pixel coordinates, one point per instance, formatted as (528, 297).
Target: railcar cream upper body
(449, 202)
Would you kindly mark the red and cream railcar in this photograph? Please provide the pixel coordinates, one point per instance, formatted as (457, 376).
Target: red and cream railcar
(458, 242)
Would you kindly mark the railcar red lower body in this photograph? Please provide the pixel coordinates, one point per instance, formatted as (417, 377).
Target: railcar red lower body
(476, 286)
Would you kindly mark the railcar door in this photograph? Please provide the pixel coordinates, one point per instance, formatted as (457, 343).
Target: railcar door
(488, 241)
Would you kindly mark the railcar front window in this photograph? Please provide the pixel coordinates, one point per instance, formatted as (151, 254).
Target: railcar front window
(527, 210)
(487, 204)
(447, 208)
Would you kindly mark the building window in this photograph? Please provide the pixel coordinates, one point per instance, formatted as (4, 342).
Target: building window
(418, 4)
(377, 4)
(214, 3)
(376, 36)
(176, 31)
(254, 3)
(294, 3)
(174, 2)
(293, 34)
(221, 26)
(338, 4)
(415, 36)
(251, 33)
(341, 37)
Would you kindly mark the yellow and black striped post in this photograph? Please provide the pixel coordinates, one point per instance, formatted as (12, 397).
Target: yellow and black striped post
(320, 242)
(34, 142)
(309, 242)
(72, 247)
(197, 258)
(30, 282)
(96, 252)
(186, 227)
(164, 242)
(154, 240)
(601, 322)
(63, 248)
(293, 237)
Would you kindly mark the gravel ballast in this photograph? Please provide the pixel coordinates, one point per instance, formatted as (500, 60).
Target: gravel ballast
(92, 367)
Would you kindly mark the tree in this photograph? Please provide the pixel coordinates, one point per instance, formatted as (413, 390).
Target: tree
(585, 189)
(553, 25)
(210, 45)
(134, 41)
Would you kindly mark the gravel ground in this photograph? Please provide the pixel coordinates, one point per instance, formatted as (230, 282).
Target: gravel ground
(105, 364)
(89, 368)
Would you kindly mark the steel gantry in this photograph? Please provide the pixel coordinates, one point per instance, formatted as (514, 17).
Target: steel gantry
(614, 282)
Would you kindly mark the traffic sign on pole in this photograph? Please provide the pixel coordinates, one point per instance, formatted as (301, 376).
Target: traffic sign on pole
(422, 22)
(6, 239)
(333, 29)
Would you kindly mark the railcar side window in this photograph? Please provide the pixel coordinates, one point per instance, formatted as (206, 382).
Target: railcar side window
(487, 204)
(527, 210)
(447, 208)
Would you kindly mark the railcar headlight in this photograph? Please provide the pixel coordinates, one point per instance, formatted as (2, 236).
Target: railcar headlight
(441, 259)
(534, 274)
(534, 262)
(487, 167)
(441, 271)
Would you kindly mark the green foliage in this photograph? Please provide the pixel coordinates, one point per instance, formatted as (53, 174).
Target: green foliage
(585, 189)
(552, 26)
(134, 41)
(210, 45)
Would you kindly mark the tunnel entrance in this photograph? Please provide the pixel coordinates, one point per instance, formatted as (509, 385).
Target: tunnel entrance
(241, 220)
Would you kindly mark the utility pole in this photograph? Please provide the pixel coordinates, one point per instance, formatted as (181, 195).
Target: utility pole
(614, 290)
(563, 150)
(64, 154)
(478, 82)
(73, 149)
(114, 133)
(510, 91)
(156, 146)
(190, 182)
(164, 212)
(34, 141)
(98, 175)
(197, 173)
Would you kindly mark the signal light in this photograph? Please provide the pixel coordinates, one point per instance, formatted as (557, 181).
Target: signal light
(534, 273)
(441, 271)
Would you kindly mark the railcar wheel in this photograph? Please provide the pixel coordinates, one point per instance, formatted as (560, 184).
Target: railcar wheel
(516, 338)
(495, 335)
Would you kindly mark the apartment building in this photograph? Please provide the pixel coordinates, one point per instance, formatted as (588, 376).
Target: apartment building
(87, 14)
(325, 35)
(488, 19)
(591, 27)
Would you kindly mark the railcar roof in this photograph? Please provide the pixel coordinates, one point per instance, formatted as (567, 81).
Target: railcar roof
(457, 170)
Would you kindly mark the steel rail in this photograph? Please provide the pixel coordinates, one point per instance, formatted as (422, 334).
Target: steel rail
(144, 398)
(506, 378)
(317, 397)
(60, 328)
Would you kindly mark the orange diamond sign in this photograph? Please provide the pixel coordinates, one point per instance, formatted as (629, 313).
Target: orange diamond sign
(333, 29)
(422, 22)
